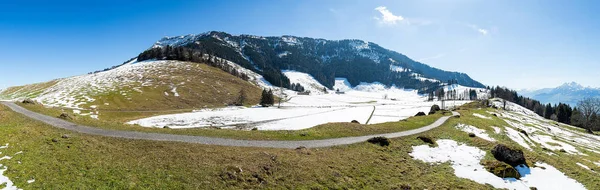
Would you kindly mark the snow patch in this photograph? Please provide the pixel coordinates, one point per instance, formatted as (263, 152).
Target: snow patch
(465, 160)
(518, 137)
(481, 116)
(307, 81)
(472, 129)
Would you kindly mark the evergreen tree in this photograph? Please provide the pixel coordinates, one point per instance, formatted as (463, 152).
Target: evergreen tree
(241, 99)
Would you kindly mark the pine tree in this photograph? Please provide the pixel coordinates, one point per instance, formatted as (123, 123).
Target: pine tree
(241, 99)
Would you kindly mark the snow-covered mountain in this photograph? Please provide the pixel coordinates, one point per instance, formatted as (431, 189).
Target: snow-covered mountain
(356, 60)
(569, 93)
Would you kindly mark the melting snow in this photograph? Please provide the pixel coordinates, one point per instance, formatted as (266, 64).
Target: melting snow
(465, 160)
(481, 116)
(307, 81)
(518, 137)
(497, 130)
(472, 129)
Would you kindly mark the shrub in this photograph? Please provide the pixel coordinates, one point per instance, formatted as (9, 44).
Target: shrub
(420, 114)
(426, 139)
(28, 101)
(434, 109)
(382, 141)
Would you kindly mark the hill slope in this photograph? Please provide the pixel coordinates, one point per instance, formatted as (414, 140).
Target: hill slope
(356, 60)
(147, 85)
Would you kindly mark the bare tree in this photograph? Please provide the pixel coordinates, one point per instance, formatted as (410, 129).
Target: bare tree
(589, 107)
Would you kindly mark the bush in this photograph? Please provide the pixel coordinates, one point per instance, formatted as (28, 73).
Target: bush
(513, 157)
(434, 109)
(426, 139)
(28, 101)
(420, 114)
(382, 141)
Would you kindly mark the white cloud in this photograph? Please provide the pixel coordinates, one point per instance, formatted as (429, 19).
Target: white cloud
(387, 17)
(478, 29)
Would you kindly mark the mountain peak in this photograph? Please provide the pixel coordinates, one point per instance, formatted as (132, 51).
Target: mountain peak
(571, 85)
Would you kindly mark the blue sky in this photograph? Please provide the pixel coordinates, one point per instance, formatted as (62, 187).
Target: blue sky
(519, 44)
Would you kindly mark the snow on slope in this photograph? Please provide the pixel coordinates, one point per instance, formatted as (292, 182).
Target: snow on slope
(75, 92)
(478, 132)
(307, 81)
(547, 133)
(465, 160)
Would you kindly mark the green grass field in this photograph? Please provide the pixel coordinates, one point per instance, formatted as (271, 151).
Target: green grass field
(92, 162)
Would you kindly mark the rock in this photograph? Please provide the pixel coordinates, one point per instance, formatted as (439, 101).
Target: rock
(533, 188)
(382, 141)
(255, 129)
(507, 155)
(502, 169)
(434, 109)
(304, 134)
(472, 135)
(166, 127)
(420, 114)
(65, 116)
(524, 132)
(426, 139)
(563, 151)
(29, 101)
(54, 140)
(456, 116)
(65, 136)
(495, 115)
(354, 121)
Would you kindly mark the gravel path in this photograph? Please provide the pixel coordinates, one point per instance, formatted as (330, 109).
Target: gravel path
(59, 123)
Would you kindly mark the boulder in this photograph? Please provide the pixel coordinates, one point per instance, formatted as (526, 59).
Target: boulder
(502, 169)
(434, 109)
(472, 135)
(420, 114)
(382, 141)
(354, 121)
(65, 136)
(513, 157)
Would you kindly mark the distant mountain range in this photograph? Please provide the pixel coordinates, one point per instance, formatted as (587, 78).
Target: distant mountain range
(569, 93)
(356, 60)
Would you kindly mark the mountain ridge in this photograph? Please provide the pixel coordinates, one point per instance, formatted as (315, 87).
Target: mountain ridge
(569, 93)
(357, 60)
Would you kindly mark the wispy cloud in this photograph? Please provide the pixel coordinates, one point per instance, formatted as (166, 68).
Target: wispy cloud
(478, 29)
(432, 57)
(387, 17)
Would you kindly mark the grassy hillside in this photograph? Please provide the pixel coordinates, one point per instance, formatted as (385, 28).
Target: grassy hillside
(143, 86)
(92, 162)
(26, 91)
